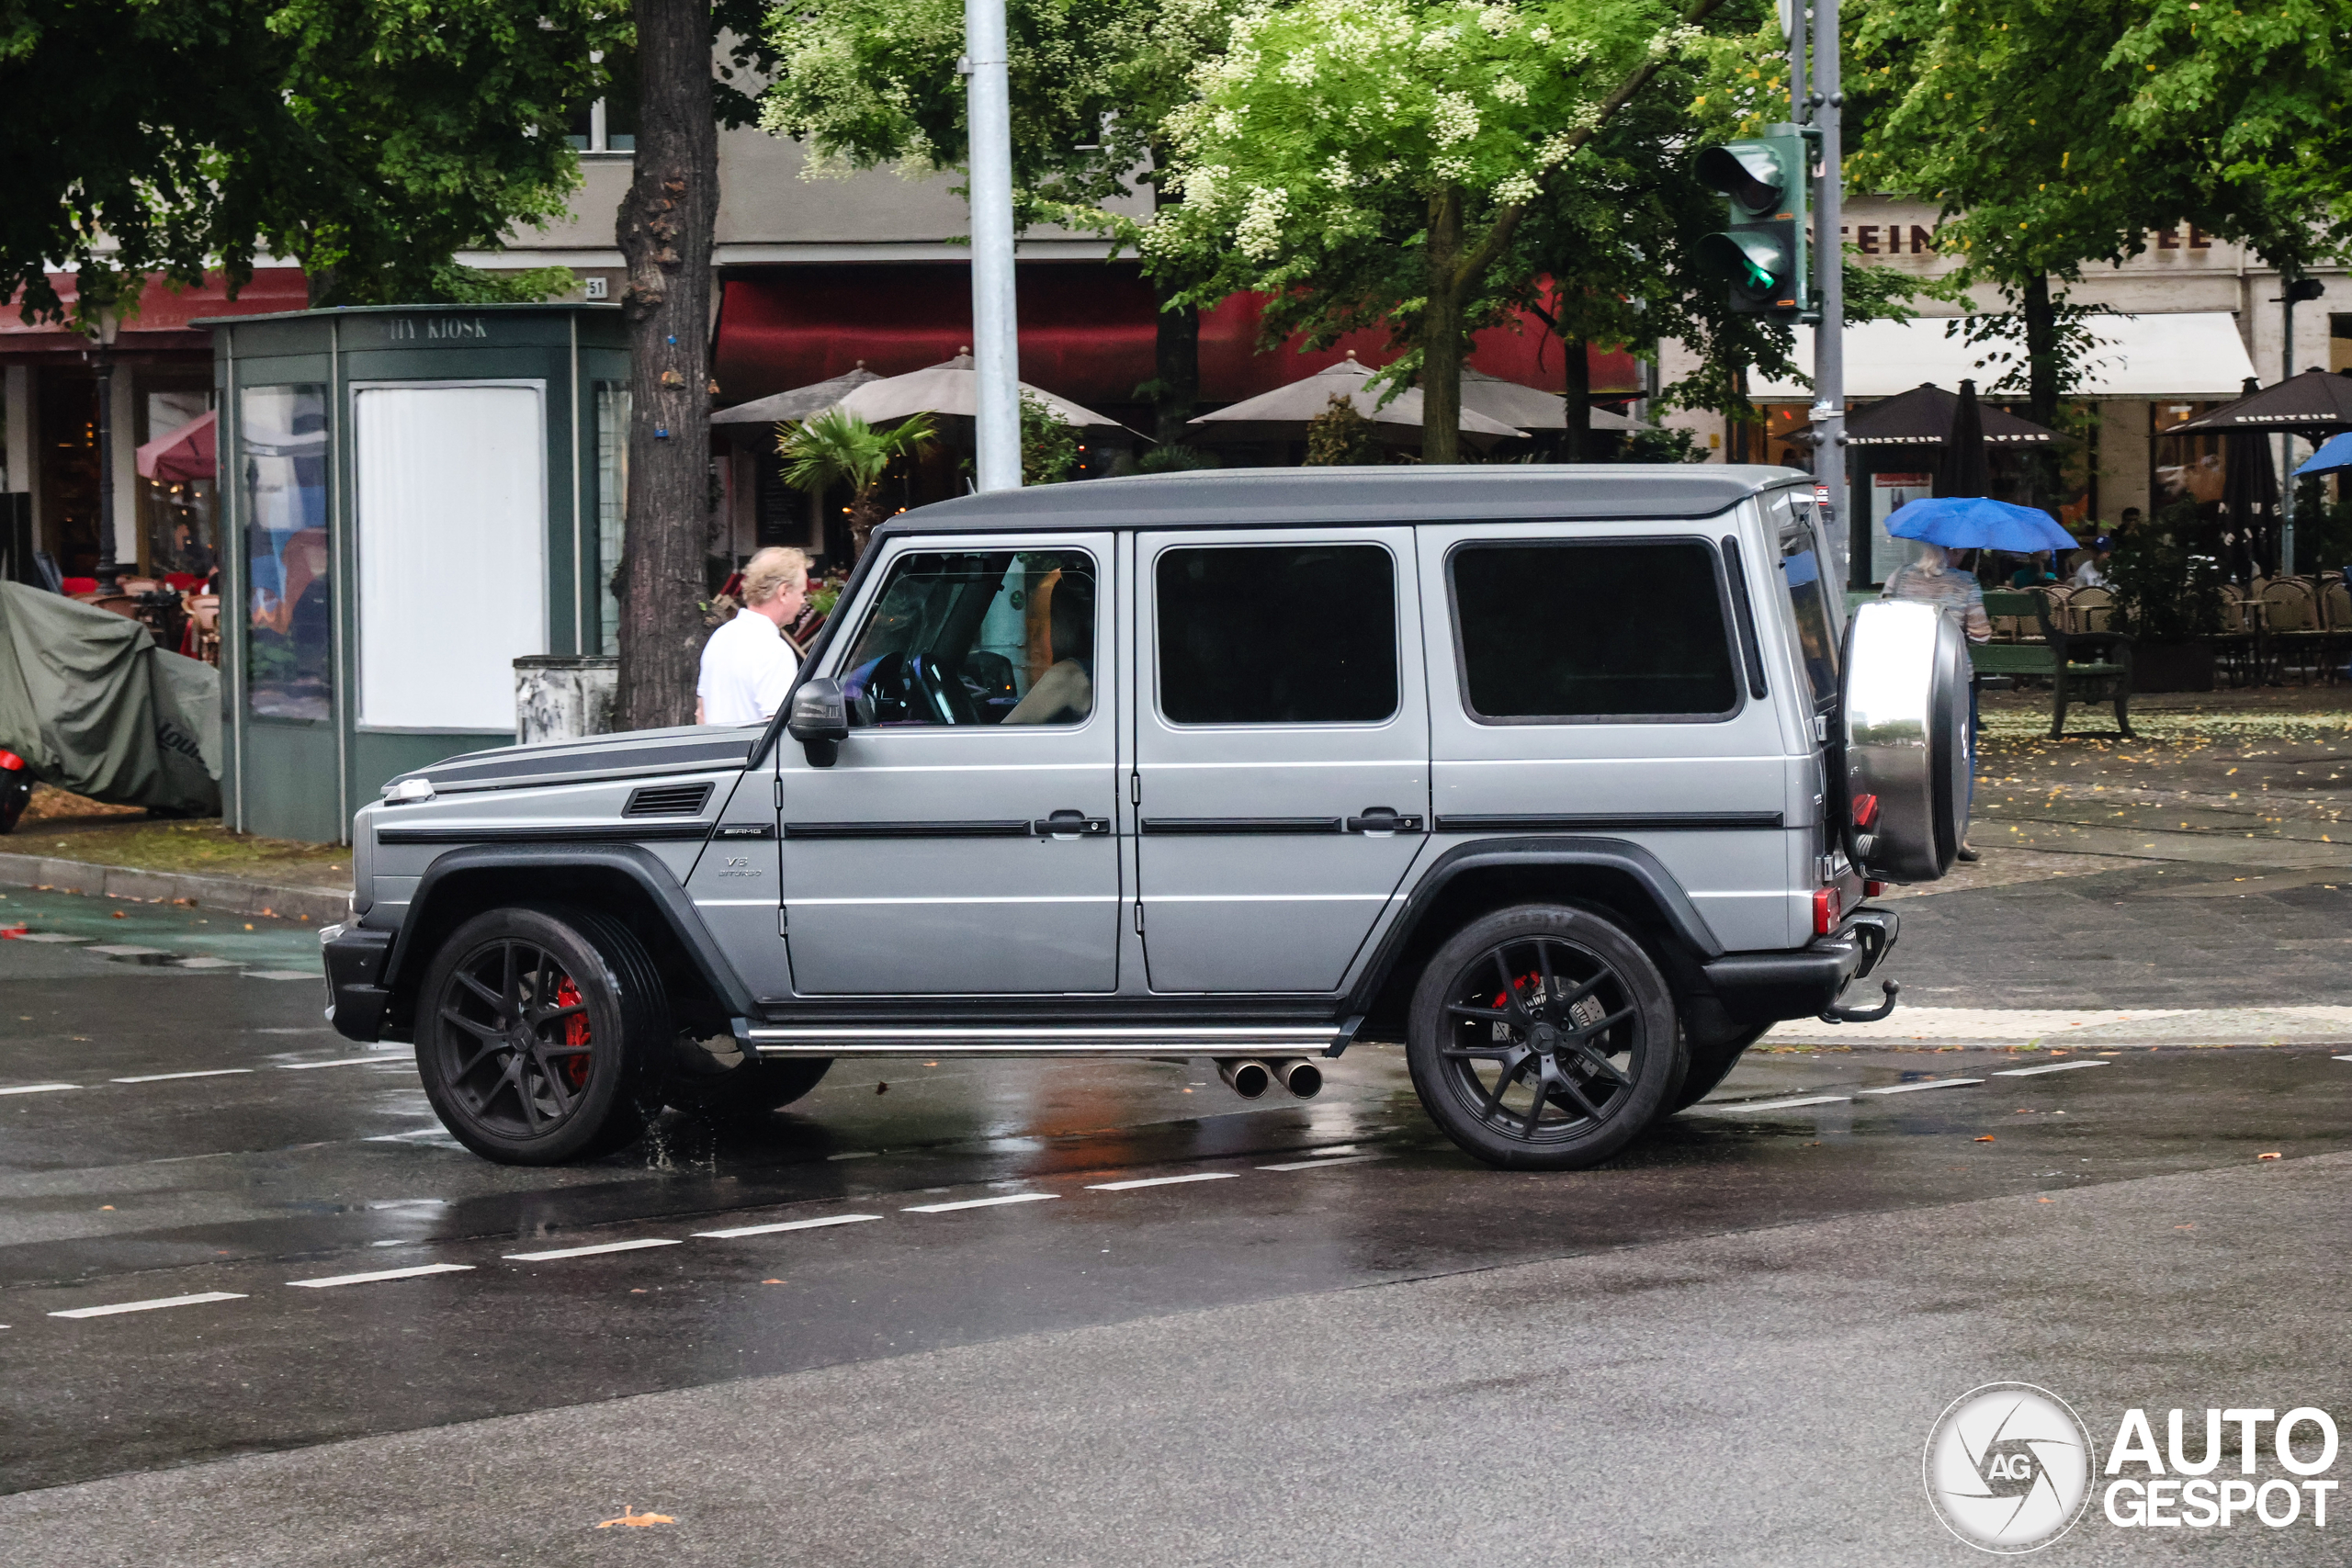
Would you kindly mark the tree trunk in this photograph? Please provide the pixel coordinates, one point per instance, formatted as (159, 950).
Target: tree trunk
(1176, 346)
(665, 230)
(1575, 402)
(2040, 314)
(1441, 332)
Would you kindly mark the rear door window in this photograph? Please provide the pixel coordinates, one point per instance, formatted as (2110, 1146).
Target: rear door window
(1809, 588)
(1277, 634)
(1558, 632)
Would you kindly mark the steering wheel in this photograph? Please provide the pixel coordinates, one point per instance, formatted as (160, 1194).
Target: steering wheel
(941, 698)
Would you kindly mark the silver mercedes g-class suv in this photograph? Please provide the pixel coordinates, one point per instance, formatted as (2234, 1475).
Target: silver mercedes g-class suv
(1573, 780)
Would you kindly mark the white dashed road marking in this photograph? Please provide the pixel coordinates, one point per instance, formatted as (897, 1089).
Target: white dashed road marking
(1323, 1164)
(118, 950)
(381, 1274)
(1726, 1108)
(981, 1203)
(110, 1309)
(339, 1062)
(282, 974)
(2068, 1068)
(790, 1225)
(1161, 1180)
(204, 963)
(37, 1087)
(1914, 1087)
(585, 1251)
(166, 1078)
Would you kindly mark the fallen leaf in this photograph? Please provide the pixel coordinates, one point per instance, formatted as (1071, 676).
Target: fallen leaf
(771, 1281)
(2187, 1227)
(118, 914)
(2024, 1111)
(2042, 1200)
(2272, 1155)
(1986, 1139)
(632, 1518)
(881, 1088)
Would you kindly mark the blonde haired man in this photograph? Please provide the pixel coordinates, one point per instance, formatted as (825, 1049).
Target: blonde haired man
(747, 666)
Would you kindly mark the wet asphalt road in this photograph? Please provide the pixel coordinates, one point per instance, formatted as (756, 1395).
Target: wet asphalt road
(1315, 1334)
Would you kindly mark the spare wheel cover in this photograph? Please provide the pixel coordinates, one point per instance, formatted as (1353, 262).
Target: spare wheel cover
(1907, 719)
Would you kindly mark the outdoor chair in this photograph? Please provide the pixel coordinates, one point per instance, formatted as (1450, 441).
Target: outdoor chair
(2081, 667)
(2237, 649)
(2089, 611)
(2295, 635)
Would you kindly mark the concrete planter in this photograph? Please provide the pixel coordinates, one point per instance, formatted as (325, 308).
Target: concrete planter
(2172, 667)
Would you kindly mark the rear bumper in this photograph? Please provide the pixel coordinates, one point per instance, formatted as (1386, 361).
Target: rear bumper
(1764, 988)
(356, 995)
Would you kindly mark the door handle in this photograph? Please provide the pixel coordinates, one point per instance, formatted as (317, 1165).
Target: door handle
(1068, 824)
(1383, 819)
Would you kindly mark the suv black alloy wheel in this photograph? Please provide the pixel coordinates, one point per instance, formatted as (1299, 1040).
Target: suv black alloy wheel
(1544, 1038)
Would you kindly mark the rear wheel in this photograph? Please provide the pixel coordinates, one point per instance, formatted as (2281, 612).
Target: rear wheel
(535, 1031)
(1542, 1038)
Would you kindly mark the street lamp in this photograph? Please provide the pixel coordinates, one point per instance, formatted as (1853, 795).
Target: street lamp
(109, 322)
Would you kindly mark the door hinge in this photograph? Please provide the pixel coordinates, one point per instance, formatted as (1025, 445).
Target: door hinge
(1138, 917)
(1134, 789)
(783, 920)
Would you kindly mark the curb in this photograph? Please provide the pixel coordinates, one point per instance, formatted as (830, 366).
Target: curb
(231, 895)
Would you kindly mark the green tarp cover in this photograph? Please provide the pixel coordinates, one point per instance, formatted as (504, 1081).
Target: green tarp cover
(93, 705)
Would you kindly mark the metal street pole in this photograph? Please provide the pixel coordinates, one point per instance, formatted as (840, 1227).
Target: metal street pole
(1829, 263)
(995, 352)
(109, 570)
(2294, 290)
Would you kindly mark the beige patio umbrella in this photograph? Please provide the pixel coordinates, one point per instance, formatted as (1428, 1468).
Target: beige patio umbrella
(1283, 413)
(950, 387)
(800, 402)
(1530, 408)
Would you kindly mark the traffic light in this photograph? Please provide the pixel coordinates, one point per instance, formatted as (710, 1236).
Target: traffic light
(1763, 248)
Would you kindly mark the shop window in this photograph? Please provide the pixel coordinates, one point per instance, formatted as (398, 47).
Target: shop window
(282, 477)
(176, 513)
(2339, 342)
(611, 501)
(2189, 468)
(451, 518)
(609, 124)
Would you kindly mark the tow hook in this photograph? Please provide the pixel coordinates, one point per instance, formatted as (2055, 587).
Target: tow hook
(1835, 1014)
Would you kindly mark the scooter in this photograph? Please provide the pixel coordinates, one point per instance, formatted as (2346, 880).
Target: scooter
(16, 789)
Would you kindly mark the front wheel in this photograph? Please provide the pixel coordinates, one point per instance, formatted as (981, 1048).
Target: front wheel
(535, 1032)
(1542, 1038)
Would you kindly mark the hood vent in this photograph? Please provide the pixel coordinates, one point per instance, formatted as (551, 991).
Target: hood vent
(667, 800)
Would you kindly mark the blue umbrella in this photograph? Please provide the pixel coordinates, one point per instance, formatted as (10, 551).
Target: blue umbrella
(2333, 458)
(1977, 522)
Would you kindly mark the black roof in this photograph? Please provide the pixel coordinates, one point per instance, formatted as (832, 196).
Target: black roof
(1243, 498)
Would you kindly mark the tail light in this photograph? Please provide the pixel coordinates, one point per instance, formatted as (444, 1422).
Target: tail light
(11, 762)
(1865, 810)
(1873, 889)
(1825, 910)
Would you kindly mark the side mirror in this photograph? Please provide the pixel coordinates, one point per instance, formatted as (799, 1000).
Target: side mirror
(819, 720)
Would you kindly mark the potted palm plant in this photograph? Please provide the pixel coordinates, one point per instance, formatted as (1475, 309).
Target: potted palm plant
(834, 447)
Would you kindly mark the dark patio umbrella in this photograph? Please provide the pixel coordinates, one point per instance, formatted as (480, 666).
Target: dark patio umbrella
(1960, 466)
(2250, 495)
(1923, 416)
(2314, 404)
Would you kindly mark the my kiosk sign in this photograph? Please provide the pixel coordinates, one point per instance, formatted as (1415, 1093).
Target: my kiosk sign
(435, 329)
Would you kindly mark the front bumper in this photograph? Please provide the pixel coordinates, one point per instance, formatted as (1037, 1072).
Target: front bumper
(1764, 988)
(355, 997)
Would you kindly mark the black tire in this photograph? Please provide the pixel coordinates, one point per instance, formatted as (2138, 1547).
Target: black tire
(744, 1092)
(1561, 990)
(538, 1033)
(1710, 1065)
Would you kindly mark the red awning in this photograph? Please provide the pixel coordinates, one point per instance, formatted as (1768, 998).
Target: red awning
(184, 454)
(169, 316)
(1087, 332)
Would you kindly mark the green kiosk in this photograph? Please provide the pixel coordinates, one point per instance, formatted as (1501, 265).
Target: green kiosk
(415, 497)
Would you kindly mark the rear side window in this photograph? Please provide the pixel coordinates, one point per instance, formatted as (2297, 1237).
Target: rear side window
(1809, 603)
(1277, 634)
(1556, 632)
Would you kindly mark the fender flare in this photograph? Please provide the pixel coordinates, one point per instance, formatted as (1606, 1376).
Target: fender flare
(635, 862)
(1549, 851)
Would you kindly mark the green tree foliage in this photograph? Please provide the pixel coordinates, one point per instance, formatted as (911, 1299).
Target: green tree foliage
(870, 83)
(1049, 447)
(368, 140)
(2056, 134)
(2165, 589)
(1369, 162)
(838, 449)
(1341, 437)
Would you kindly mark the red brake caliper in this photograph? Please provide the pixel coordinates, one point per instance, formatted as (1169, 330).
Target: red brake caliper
(575, 1032)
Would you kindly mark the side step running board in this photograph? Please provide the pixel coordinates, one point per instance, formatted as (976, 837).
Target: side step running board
(1034, 1040)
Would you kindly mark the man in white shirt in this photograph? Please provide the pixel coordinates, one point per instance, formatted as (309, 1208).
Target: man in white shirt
(747, 666)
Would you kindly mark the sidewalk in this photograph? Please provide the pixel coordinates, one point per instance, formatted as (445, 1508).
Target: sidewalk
(68, 844)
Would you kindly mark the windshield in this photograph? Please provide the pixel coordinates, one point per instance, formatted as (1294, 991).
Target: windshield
(1809, 590)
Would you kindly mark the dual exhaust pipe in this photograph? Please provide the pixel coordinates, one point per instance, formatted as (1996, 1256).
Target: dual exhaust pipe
(1251, 1079)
